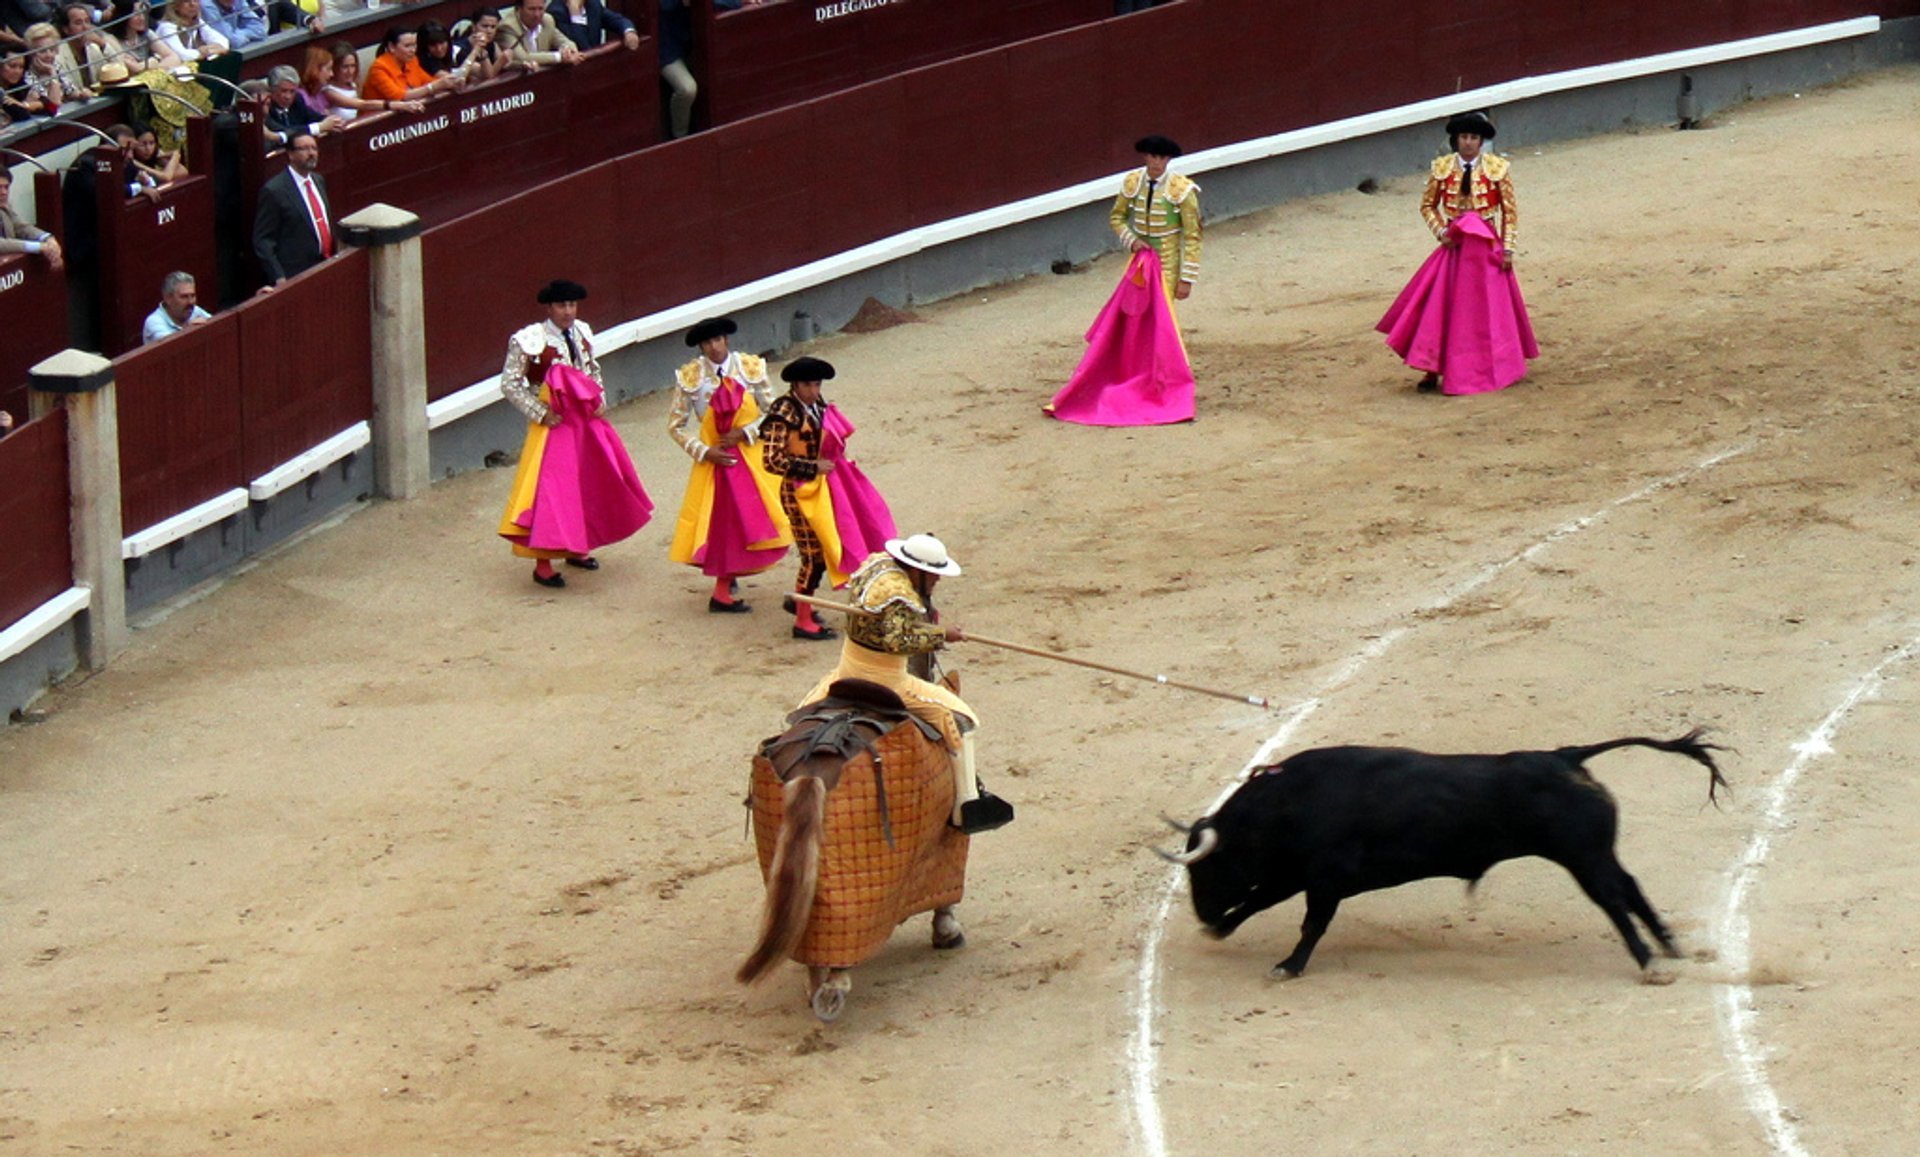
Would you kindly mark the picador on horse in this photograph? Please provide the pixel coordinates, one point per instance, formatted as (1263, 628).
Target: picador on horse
(863, 807)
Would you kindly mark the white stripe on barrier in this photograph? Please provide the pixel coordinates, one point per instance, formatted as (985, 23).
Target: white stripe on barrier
(296, 469)
(184, 523)
(43, 620)
(484, 393)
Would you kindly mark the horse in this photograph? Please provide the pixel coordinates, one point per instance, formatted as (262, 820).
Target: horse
(850, 806)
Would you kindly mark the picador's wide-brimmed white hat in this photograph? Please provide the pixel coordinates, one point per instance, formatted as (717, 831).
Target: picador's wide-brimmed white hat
(923, 552)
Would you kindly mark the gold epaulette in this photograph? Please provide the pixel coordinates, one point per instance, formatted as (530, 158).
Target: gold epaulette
(753, 368)
(688, 376)
(1179, 188)
(1442, 167)
(1130, 184)
(1494, 166)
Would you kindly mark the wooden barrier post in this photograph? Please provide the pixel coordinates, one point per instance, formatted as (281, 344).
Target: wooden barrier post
(400, 462)
(83, 383)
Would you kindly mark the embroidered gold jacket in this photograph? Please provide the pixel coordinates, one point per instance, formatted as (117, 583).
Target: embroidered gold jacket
(694, 384)
(1169, 221)
(898, 624)
(1490, 194)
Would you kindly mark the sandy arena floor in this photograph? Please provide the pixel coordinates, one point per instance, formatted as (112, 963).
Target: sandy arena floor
(378, 848)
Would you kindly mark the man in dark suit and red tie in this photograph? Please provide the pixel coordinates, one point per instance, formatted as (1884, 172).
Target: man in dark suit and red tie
(293, 231)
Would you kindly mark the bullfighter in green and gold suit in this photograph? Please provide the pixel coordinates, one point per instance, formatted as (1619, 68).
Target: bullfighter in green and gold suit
(1159, 210)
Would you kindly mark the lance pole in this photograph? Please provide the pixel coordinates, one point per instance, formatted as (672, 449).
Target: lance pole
(1040, 653)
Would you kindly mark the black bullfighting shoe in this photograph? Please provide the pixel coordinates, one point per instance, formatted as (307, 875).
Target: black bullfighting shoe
(818, 634)
(586, 562)
(551, 580)
(984, 814)
(736, 607)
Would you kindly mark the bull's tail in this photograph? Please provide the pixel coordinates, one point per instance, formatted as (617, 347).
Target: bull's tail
(1688, 745)
(791, 878)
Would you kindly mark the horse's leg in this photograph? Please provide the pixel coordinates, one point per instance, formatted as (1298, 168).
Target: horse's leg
(947, 932)
(827, 990)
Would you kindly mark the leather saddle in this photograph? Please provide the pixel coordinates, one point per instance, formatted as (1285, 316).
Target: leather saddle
(824, 736)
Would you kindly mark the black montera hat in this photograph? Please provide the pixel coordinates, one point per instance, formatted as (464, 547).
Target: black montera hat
(558, 292)
(1157, 146)
(807, 370)
(1478, 123)
(711, 328)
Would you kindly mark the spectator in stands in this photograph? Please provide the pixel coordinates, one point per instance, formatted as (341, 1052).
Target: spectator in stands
(19, 236)
(16, 16)
(589, 24)
(436, 50)
(187, 35)
(396, 74)
(478, 50)
(533, 37)
(134, 180)
(239, 21)
(164, 168)
(16, 99)
(43, 69)
(287, 115)
(143, 47)
(676, 33)
(179, 308)
(85, 49)
(324, 96)
(294, 227)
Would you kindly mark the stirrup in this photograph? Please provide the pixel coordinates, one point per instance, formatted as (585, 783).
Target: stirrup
(984, 814)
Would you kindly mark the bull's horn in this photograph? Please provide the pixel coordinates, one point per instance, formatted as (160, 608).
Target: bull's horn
(1176, 825)
(1209, 843)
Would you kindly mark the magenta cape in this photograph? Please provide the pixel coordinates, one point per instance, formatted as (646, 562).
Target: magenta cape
(1462, 316)
(740, 518)
(588, 495)
(860, 515)
(1135, 371)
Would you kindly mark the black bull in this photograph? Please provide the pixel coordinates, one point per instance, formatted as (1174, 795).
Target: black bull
(1338, 821)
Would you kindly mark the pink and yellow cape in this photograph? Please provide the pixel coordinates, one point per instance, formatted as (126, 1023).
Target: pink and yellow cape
(1135, 372)
(576, 490)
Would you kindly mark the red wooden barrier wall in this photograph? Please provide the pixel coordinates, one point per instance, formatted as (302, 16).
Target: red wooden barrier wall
(180, 419)
(37, 562)
(755, 59)
(305, 358)
(33, 302)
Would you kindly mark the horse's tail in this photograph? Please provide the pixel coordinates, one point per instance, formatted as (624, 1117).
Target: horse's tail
(792, 877)
(1688, 745)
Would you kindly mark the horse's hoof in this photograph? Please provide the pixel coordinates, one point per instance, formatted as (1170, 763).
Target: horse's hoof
(830, 999)
(947, 933)
(1657, 975)
(1282, 972)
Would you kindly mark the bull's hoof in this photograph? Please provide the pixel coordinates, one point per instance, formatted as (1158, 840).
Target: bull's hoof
(947, 933)
(1282, 972)
(1657, 976)
(830, 998)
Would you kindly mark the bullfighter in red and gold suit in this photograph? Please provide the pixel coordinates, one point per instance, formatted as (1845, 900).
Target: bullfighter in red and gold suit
(1461, 319)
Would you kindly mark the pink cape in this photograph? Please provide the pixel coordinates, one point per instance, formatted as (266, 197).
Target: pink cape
(739, 518)
(588, 495)
(1135, 371)
(1462, 316)
(860, 515)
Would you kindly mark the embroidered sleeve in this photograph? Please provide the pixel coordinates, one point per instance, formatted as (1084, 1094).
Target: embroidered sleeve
(684, 425)
(1121, 219)
(1430, 206)
(1190, 234)
(524, 395)
(1509, 214)
(905, 631)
